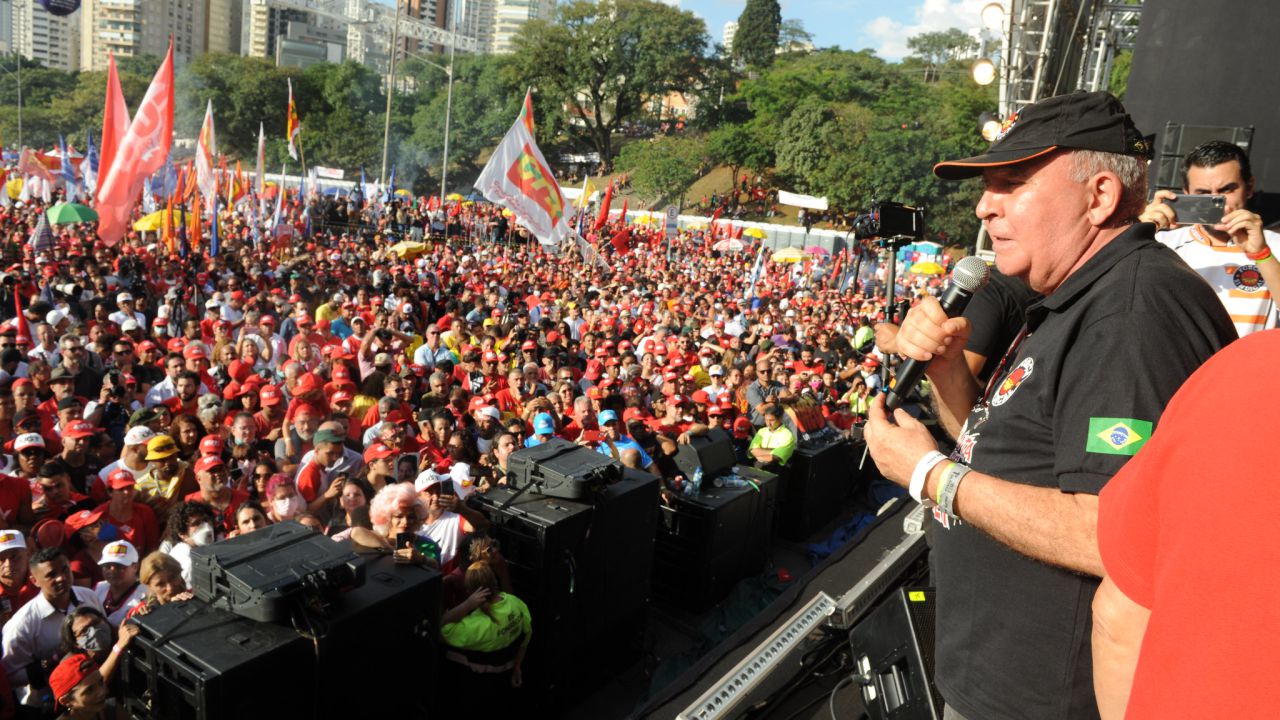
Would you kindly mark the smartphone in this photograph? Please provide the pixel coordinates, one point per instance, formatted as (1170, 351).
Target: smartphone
(1198, 209)
(591, 437)
(405, 538)
(446, 487)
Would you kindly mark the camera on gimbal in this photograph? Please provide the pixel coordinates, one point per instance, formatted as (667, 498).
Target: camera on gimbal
(890, 220)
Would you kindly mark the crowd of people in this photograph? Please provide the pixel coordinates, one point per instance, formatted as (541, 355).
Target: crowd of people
(157, 397)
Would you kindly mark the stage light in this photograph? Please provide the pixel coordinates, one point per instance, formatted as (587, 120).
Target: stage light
(984, 72)
(993, 16)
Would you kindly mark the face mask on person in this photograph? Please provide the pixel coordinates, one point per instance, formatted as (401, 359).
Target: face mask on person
(286, 508)
(95, 640)
(202, 535)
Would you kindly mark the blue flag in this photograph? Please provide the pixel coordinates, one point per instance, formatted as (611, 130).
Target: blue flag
(390, 192)
(213, 231)
(68, 172)
(364, 188)
(89, 168)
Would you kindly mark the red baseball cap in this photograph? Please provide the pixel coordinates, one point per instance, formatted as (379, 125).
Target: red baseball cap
(72, 671)
(80, 429)
(195, 351)
(208, 462)
(378, 451)
(307, 383)
(342, 396)
(270, 395)
(211, 445)
(83, 519)
(490, 356)
(121, 479)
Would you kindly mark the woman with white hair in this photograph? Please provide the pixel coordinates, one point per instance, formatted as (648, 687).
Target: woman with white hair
(397, 513)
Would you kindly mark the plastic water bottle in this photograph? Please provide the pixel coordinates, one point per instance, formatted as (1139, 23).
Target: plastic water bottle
(735, 481)
(696, 485)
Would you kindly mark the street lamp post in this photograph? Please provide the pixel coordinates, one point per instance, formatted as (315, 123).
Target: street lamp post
(448, 105)
(18, 55)
(391, 81)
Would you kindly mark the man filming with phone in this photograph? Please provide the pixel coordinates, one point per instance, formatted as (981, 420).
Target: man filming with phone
(1234, 254)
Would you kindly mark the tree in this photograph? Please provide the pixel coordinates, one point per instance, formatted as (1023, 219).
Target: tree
(740, 146)
(1118, 83)
(484, 106)
(936, 49)
(756, 40)
(608, 61)
(792, 36)
(664, 167)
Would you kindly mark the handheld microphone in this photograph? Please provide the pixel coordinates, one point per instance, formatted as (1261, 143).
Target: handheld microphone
(969, 276)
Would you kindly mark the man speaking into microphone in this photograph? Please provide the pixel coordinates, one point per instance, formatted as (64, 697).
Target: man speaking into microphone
(1122, 323)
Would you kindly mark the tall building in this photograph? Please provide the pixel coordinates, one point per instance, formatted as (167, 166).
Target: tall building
(6, 26)
(39, 35)
(222, 26)
(511, 15)
(132, 28)
(726, 39)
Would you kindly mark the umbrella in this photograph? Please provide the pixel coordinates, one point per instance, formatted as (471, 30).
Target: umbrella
(815, 250)
(927, 268)
(70, 213)
(755, 233)
(453, 197)
(694, 227)
(408, 249)
(14, 188)
(155, 221)
(789, 255)
(402, 192)
(729, 245)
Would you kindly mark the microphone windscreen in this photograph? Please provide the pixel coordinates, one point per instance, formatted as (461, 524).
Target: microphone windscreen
(971, 273)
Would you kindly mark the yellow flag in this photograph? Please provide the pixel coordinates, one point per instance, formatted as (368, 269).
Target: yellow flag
(588, 189)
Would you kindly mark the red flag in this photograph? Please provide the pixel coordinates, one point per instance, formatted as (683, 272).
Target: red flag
(623, 216)
(433, 204)
(141, 153)
(621, 241)
(602, 217)
(736, 233)
(197, 225)
(711, 229)
(115, 121)
(24, 329)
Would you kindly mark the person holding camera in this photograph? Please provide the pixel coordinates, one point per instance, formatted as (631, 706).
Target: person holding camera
(1234, 255)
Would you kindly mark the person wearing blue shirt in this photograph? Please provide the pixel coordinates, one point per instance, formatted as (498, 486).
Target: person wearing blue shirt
(620, 447)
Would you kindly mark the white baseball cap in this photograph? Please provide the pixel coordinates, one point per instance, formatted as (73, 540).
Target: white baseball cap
(27, 440)
(120, 552)
(490, 412)
(138, 435)
(12, 540)
(124, 297)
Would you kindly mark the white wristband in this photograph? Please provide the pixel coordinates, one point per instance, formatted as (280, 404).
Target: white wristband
(921, 473)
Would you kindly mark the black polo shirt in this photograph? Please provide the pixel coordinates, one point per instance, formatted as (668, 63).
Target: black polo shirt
(1077, 395)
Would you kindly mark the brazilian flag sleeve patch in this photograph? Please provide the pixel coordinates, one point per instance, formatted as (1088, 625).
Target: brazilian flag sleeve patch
(1117, 436)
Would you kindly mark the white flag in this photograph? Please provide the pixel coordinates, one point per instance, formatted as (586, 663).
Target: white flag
(206, 153)
(518, 177)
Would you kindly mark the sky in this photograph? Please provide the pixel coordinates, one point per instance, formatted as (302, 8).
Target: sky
(881, 25)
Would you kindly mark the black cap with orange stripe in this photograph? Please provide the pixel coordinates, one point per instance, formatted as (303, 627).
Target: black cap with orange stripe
(1077, 121)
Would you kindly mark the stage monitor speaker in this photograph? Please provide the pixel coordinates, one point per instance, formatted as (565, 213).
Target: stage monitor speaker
(893, 652)
(814, 491)
(258, 575)
(561, 469)
(192, 661)
(713, 453)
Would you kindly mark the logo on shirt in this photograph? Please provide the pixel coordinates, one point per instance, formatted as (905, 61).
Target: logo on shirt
(1013, 381)
(1117, 436)
(1248, 279)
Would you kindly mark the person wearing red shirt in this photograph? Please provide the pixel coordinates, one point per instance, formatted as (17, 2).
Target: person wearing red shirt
(212, 475)
(1184, 623)
(272, 414)
(135, 521)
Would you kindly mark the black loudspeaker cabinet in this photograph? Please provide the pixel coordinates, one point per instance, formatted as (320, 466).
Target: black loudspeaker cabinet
(819, 480)
(559, 468)
(192, 661)
(385, 633)
(584, 570)
(893, 646)
(708, 542)
(195, 661)
(713, 453)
